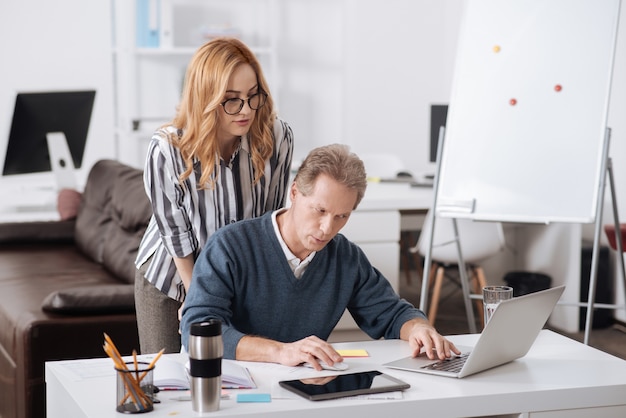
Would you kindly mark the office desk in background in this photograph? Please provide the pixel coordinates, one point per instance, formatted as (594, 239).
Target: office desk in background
(28, 204)
(559, 377)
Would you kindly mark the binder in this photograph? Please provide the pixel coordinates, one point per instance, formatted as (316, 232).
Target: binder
(148, 23)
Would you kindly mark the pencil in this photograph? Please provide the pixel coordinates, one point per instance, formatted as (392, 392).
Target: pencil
(135, 360)
(152, 363)
(131, 383)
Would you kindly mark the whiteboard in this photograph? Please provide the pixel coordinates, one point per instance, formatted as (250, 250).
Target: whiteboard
(527, 119)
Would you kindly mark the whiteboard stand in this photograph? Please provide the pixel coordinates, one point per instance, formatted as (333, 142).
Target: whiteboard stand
(469, 310)
(607, 169)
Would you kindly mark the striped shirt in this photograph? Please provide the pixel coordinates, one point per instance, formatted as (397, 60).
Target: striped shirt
(184, 217)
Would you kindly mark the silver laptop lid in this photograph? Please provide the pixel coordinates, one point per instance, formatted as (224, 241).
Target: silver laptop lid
(512, 330)
(510, 333)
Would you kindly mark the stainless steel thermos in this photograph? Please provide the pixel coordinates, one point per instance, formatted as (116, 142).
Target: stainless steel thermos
(206, 350)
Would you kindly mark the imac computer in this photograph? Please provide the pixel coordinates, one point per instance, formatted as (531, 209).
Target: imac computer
(48, 133)
(438, 116)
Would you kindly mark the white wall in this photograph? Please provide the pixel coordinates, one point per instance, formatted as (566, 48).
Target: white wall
(58, 45)
(364, 72)
(311, 60)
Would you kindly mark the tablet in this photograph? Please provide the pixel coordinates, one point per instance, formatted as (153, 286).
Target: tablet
(337, 386)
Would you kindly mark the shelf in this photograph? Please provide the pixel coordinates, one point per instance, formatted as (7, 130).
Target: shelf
(149, 80)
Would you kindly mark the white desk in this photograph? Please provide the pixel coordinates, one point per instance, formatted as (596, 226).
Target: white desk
(28, 198)
(395, 196)
(558, 378)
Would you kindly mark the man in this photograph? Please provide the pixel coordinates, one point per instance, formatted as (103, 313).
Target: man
(281, 282)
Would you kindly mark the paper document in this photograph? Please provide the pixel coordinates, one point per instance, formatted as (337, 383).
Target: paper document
(171, 374)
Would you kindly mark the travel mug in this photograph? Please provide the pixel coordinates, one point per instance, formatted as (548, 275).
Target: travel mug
(206, 350)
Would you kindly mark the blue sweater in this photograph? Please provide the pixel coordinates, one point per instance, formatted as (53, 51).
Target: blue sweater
(243, 279)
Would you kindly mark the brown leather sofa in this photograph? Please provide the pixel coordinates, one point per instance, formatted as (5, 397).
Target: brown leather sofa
(63, 284)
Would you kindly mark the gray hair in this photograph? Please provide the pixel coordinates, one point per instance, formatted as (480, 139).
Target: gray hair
(337, 162)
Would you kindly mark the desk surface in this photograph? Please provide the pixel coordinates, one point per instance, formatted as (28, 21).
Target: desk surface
(396, 196)
(557, 374)
(27, 203)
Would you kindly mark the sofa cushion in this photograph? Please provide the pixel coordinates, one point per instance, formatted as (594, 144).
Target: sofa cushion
(30, 272)
(130, 211)
(99, 299)
(93, 217)
(113, 216)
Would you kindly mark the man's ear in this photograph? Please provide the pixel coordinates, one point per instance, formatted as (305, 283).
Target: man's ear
(293, 191)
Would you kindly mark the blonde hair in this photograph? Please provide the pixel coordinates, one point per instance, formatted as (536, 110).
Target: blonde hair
(206, 82)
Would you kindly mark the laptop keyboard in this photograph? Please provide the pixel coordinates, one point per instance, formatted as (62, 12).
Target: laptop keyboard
(452, 364)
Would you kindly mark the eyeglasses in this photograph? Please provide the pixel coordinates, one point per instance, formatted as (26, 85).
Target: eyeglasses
(234, 106)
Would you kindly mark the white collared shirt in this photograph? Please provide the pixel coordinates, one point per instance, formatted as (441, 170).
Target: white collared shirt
(297, 266)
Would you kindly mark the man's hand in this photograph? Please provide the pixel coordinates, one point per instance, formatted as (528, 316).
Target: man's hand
(421, 335)
(308, 350)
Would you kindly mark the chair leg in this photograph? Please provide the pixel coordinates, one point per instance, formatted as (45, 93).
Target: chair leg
(434, 303)
(418, 265)
(431, 276)
(480, 282)
(404, 257)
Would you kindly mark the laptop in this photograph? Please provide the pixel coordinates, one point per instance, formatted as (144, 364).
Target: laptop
(510, 333)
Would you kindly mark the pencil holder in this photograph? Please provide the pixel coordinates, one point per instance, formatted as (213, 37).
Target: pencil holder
(134, 388)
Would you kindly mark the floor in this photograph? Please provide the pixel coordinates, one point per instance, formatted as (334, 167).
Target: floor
(451, 319)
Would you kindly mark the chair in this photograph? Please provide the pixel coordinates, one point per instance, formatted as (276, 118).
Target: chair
(478, 241)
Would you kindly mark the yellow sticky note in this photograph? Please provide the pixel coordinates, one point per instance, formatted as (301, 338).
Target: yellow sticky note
(353, 353)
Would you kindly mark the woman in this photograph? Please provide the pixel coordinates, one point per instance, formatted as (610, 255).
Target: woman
(225, 157)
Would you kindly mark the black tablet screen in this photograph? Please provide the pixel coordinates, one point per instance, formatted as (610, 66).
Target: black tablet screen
(329, 387)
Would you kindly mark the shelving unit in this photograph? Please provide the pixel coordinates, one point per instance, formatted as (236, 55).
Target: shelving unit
(148, 80)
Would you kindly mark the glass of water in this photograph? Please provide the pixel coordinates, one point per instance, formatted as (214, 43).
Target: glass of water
(492, 296)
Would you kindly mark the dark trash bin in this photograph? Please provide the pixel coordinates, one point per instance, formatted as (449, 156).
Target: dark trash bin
(525, 282)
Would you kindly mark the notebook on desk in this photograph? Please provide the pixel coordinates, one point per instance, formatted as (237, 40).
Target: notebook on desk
(508, 336)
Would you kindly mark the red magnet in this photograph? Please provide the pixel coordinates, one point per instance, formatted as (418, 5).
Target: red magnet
(512, 102)
(558, 87)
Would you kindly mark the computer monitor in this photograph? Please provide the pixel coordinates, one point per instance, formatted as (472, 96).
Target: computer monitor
(37, 114)
(438, 116)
